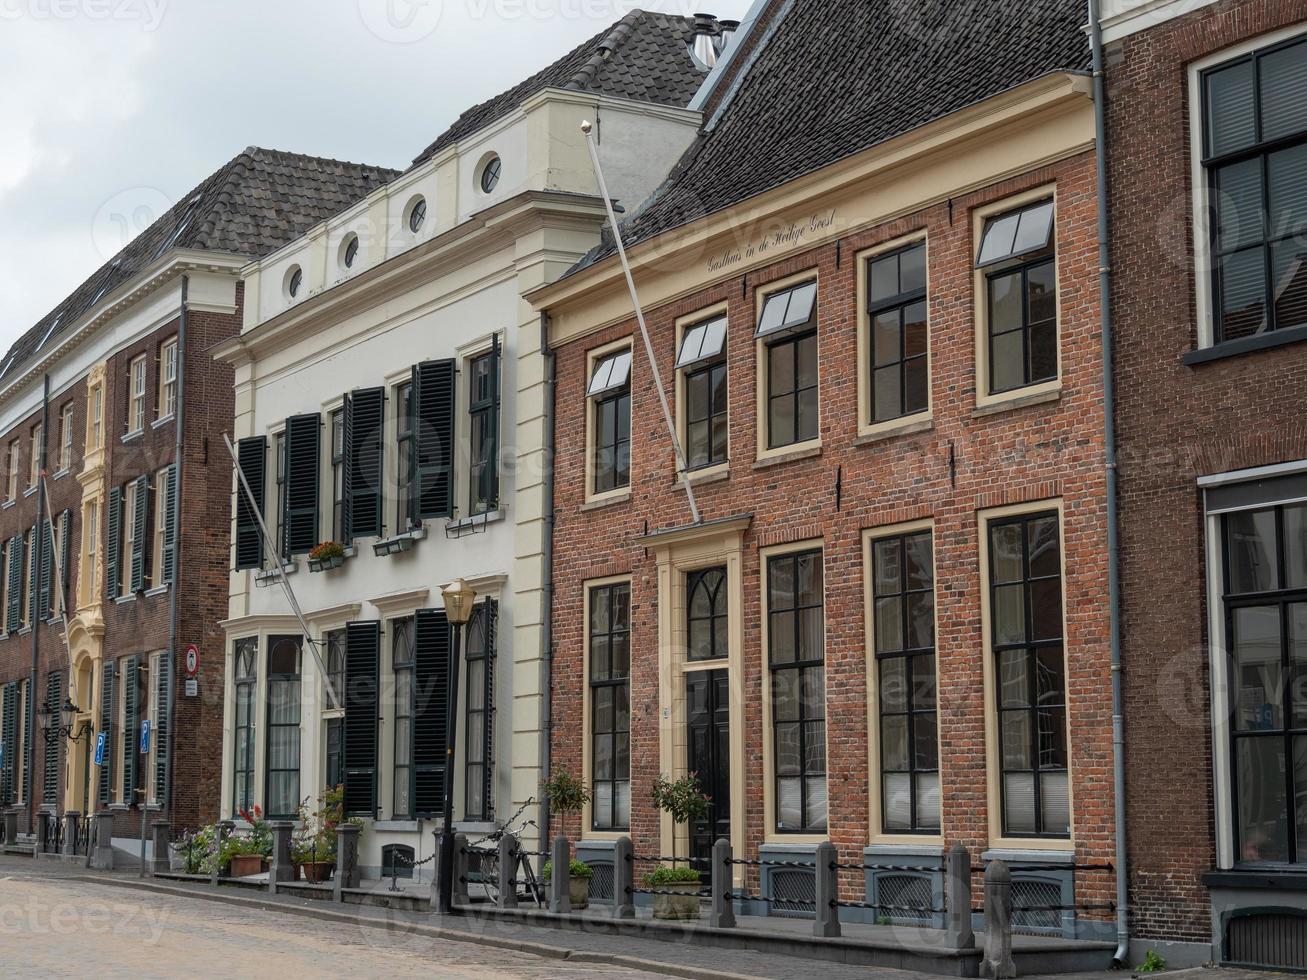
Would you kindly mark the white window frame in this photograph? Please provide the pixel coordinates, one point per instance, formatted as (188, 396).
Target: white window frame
(593, 357)
(136, 394)
(15, 449)
(683, 325)
(127, 539)
(762, 375)
(167, 379)
(65, 437)
(34, 469)
(160, 518)
(587, 726)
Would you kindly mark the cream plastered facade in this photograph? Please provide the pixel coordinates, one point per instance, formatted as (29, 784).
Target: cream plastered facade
(446, 290)
(1033, 125)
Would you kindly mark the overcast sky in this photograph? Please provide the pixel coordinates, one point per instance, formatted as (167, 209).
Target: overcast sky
(110, 110)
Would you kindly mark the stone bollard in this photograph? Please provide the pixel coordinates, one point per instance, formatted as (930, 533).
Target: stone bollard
(957, 899)
(462, 866)
(42, 831)
(11, 826)
(224, 829)
(347, 860)
(507, 872)
(826, 924)
(72, 825)
(102, 853)
(160, 861)
(721, 913)
(996, 962)
(623, 879)
(560, 894)
(283, 867)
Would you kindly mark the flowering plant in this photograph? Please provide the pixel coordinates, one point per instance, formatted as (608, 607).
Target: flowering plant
(327, 551)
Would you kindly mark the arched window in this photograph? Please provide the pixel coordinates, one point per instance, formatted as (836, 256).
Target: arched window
(706, 616)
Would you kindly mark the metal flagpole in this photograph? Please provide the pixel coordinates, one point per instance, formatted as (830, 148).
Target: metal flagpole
(681, 466)
(281, 574)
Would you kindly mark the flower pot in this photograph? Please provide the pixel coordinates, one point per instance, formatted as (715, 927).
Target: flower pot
(326, 564)
(682, 904)
(245, 865)
(578, 890)
(318, 871)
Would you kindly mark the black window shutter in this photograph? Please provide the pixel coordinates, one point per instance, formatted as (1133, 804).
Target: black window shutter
(365, 415)
(65, 563)
(170, 528)
(15, 583)
(141, 527)
(131, 722)
(9, 735)
(159, 726)
(105, 782)
(47, 562)
(491, 611)
(496, 356)
(54, 698)
(114, 546)
(433, 421)
(362, 678)
(33, 570)
(303, 453)
(253, 457)
(431, 649)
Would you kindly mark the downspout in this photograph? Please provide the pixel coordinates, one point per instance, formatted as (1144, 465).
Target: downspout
(179, 425)
(1122, 955)
(547, 613)
(35, 591)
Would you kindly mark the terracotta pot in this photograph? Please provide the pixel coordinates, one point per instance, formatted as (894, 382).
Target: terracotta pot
(684, 905)
(245, 865)
(578, 890)
(318, 871)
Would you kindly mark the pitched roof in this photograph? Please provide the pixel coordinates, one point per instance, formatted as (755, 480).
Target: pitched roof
(840, 76)
(254, 204)
(643, 57)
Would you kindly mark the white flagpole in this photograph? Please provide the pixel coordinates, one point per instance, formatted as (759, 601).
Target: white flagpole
(281, 575)
(681, 466)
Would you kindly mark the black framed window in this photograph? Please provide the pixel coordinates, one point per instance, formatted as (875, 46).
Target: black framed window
(479, 715)
(610, 392)
(335, 643)
(246, 675)
(1025, 575)
(796, 656)
(1255, 162)
(401, 663)
(1265, 605)
(279, 453)
(404, 445)
(1019, 262)
(338, 475)
(707, 615)
(903, 588)
(702, 359)
(610, 706)
(896, 306)
(483, 416)
(282, 798)
(788, 329)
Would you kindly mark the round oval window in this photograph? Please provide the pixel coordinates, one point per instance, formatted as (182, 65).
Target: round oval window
(417, 215)
(296, 280)
(490, 175)
(351, 251)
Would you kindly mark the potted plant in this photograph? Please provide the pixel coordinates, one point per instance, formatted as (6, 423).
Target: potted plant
(578, 881)
(326, 556)
(683, 800)
(567, 794)
(313, 848)
(247, 854)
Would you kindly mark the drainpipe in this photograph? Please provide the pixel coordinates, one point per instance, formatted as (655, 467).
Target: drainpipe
(179, 425)
(1122, 955)
(547, 614)
(36, 619)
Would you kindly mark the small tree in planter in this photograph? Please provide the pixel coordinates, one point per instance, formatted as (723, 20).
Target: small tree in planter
(313, 848)
(567, 794)
(683, 800)
(326, 556)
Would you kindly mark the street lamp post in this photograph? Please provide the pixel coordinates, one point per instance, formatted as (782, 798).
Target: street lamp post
(458, 597)
(60, 725)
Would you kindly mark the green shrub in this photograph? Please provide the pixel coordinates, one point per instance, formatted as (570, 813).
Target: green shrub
(1152, 963)
(665, 875)
(575, 868)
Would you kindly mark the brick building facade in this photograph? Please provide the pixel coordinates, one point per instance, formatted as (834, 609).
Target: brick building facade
(842, 497)
(1211, 427)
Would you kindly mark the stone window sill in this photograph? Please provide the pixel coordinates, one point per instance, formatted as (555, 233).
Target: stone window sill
(157, 590)
(133, 436)
(160, 423)
(911, 425)
(1261, 879)
(705, 477)
(29, 491)
(61, 474)
(1244, 345)
(1020, 401)
(25, 631)
(124, 598)
(811, 452)
(602, 502)
(9, 503)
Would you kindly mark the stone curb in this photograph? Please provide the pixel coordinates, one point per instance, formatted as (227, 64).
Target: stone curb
(542, 950)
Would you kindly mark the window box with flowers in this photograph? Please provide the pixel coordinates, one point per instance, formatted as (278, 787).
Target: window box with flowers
(326, 556)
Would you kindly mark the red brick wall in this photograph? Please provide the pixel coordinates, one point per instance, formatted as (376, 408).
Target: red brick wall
(1029, 454)
(1176, 423)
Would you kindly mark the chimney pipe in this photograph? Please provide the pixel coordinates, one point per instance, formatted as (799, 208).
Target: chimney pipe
(726, 29)
(704, 45)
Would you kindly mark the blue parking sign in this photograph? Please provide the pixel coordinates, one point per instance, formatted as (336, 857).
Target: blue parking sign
(145, 736)
(99, 749)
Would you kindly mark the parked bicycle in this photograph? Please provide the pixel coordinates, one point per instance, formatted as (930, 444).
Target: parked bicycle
(487, 849)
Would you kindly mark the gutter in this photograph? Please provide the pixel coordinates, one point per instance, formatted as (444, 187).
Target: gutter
(547, 613)
(179, 425)
(37, 540)
(1122, 955)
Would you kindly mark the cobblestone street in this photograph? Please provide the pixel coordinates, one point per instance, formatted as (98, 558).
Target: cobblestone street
(55, 928)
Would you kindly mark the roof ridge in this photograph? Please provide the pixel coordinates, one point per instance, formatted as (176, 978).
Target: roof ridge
(611, 42)
(257, 151)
